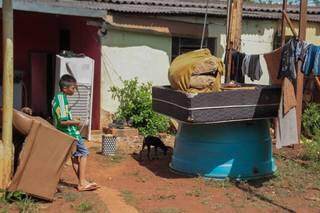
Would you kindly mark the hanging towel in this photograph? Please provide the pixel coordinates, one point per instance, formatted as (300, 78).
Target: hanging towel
(286, 127)
(237, 59)
(312, 61)
(251, 67)
(289, 97)
(273, 65)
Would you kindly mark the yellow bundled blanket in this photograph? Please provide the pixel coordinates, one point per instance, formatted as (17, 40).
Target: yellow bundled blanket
(186, 71)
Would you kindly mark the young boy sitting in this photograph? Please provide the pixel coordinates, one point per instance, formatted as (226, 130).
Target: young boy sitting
(63, 121)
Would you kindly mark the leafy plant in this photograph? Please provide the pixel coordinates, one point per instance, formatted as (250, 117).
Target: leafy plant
(136, 106)
(84, 207)
(24, 203)
(27, 205)
(8, 197)
(311, 119)
(312, 148)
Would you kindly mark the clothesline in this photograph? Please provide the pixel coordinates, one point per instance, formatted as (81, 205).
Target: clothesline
(281, 64)
(291, 52)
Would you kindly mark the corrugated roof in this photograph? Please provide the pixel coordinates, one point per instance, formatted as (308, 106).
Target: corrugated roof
(179, 7)
(216, 7)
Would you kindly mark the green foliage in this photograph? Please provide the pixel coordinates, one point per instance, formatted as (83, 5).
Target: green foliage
(311, 128)
(312, 148)
(24, 203)
(84, 207)
(311, 119)
(128, 197)
(27, 205)
(9, 197)
(136, 105)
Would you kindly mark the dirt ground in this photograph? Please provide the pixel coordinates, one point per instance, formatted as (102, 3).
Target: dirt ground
(130, 185)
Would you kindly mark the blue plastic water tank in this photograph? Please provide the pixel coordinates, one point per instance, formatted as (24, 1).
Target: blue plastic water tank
(240, 150)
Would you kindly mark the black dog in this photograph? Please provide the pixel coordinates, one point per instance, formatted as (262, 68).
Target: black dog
(155, 142)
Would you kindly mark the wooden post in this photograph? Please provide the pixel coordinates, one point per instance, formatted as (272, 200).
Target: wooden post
(302, 35)
(283, 24)
(234, 34)
(6, 146)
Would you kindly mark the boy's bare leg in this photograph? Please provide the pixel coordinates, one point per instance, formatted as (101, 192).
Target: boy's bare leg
(75, 165)
(82, 171)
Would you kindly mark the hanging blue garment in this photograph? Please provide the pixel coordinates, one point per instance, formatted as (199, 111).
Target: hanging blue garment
(287, 62)
(312, 61)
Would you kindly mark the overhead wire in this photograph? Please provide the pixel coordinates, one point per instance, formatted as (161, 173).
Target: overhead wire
(204, 25)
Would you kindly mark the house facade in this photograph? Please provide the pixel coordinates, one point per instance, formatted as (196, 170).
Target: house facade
(143, 38)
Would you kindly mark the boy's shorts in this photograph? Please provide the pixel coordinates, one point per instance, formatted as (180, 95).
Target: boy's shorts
(82, 150)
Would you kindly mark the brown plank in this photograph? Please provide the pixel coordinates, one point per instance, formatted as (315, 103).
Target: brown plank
(290, 23)
(302, 35)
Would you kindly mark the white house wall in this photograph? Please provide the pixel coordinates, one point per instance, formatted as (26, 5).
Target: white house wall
(126, 55)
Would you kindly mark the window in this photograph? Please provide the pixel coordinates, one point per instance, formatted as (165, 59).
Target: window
(182, 45)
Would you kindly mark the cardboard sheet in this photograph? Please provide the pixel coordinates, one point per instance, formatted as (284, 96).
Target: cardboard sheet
(42, 157)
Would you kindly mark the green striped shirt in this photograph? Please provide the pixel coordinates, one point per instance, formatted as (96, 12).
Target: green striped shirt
(61, 112)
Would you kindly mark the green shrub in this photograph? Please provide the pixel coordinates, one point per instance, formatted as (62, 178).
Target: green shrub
(312, 148)
(311, 119)
(136, 105)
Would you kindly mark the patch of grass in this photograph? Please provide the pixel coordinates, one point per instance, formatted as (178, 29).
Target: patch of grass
(217, 206)
(205, 201)
(70, 196)
(128, 197)
(168, 210)
(139, 178)
(84, 206)
(225, 183)
(165, 197)
(23, 202)
(117, 158)
(27, 206)
(194, 193)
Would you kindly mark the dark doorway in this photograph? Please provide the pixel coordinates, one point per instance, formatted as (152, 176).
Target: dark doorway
(42, 83)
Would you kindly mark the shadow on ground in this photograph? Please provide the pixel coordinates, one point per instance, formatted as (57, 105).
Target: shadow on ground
(250, 188)
(159, 166)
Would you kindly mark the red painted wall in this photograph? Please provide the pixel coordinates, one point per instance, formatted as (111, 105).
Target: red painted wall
(40, 33)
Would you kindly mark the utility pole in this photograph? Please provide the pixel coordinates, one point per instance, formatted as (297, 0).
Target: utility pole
(6, 146)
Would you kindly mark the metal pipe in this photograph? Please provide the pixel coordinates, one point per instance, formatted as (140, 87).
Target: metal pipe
(204, 25)
(283, 25)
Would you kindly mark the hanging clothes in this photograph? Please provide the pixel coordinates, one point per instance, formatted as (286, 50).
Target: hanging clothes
(301, 50)
(286, 127)
(273, 64)
(237, 59)
(289, 97)
(312, 61)
(288, 59)
(251, 67)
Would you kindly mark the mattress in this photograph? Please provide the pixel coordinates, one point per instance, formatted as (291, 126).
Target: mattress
(262, 102)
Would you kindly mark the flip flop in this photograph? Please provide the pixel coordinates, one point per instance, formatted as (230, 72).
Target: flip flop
(89, 187)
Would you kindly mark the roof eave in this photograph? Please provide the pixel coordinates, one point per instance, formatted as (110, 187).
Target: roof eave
(56, 9)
